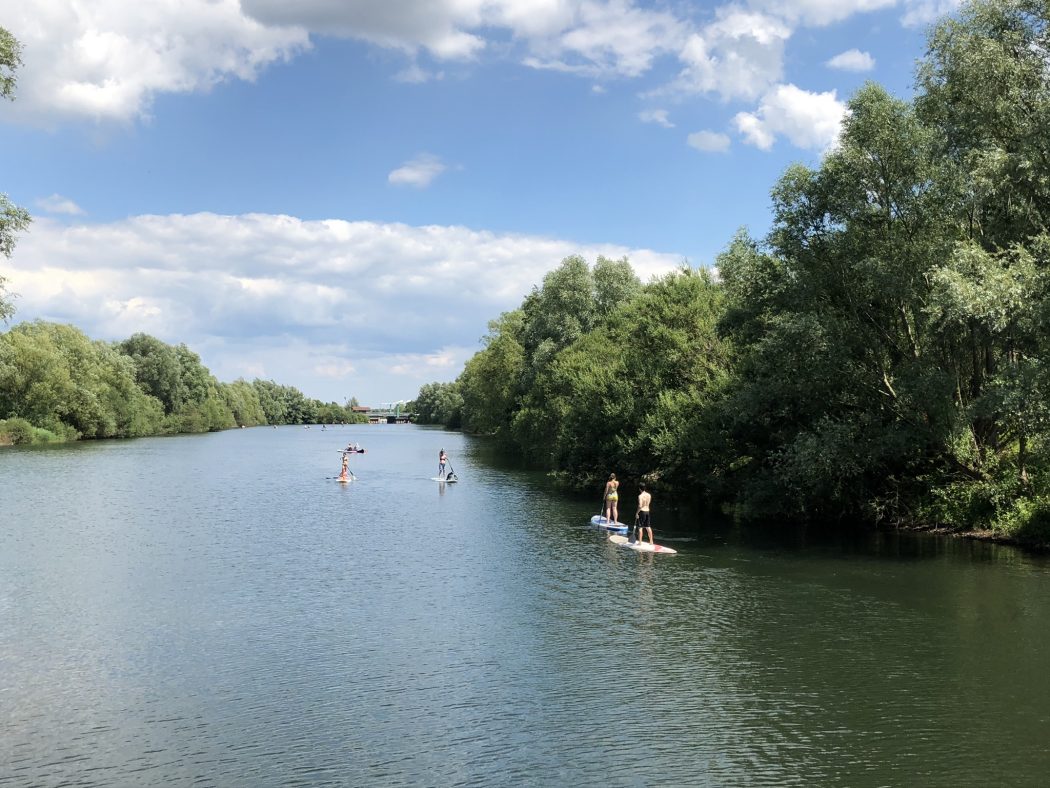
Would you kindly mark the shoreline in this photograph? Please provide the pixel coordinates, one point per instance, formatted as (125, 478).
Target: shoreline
(980, 535)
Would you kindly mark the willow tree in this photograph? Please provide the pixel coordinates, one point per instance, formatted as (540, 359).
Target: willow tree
(985, 89)
(12, 218)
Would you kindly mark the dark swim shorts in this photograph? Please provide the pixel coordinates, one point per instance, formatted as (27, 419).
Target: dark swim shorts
(643, 520)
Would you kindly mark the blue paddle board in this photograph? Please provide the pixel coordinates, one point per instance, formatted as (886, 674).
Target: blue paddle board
(608, 525)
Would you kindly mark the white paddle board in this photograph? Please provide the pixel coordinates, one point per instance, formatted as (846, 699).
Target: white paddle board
(447, 481)
(641, 547)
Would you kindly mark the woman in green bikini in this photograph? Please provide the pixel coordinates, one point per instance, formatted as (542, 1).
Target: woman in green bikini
(612, 497)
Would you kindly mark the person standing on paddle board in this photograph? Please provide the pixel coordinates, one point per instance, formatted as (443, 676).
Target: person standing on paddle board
(346, 466)
(645, 500)
(442, 459)
(612, 498)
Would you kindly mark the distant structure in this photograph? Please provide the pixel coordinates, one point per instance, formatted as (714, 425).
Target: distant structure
(389, 413)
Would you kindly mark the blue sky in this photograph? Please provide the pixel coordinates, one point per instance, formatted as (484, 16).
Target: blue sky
(339, 195)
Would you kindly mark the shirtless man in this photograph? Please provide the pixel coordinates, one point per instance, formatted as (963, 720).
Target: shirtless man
(645, 499)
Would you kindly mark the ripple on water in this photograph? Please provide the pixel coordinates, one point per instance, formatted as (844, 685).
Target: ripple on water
(240, 620)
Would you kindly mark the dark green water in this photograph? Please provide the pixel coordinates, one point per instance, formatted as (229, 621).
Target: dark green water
(210, 610)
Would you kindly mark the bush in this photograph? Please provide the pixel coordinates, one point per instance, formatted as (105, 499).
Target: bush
(19, 432)
(1028, 520)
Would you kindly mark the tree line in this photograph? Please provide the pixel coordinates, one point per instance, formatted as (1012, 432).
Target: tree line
(57, 384)
(881, 355)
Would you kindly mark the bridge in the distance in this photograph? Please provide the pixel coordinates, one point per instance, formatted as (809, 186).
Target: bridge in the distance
(389, 413)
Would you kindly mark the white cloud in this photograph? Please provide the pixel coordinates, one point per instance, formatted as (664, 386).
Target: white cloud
(318, 304)
(820, 12)
(808, 120)
(708, 141)
(56, 203)
(439, 26)
(337, 369)
(107, 59)
(738, 56)
(414, 75)
(852, 60)
(657, 116)
(418, 172)
(923, 12)
(611, 38)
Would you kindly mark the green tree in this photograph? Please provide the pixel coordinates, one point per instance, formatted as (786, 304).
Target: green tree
(158, 369)
(439, 403)
(490, 381)
(56, 378)
(12, 218)
(243, 402)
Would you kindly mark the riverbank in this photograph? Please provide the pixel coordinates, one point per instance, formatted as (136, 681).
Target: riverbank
(1024, 542)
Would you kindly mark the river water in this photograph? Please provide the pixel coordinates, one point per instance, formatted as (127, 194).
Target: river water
(212, 610)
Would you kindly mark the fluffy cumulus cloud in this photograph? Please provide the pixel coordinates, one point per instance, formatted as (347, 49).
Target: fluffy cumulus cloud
(106, 60)
(311, 303)
(737, 56)
(852, 60)
(708, 141)
(607, 38)
(808, 120)
(418, 172)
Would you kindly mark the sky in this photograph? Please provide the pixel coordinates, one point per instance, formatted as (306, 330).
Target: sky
(338, 195)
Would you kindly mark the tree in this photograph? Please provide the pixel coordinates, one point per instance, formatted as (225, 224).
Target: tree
(56, 378)
(439, 403)
(615, 284)
(158, 369)
(12, 218)
(490, 381)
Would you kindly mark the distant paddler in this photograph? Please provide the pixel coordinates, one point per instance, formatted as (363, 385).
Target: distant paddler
(346, 474)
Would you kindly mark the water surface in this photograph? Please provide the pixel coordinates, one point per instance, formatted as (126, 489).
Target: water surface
(213, 610)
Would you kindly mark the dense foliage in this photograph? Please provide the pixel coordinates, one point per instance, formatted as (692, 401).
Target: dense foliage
(882, 354)
(56, 384)
(12, 218)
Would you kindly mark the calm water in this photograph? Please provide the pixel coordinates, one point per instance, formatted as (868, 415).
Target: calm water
(211, 610)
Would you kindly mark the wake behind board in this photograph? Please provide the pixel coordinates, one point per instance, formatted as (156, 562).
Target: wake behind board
(609, 525)
(641, 547)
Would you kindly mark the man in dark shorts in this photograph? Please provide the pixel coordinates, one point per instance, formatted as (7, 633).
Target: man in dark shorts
(644, 524)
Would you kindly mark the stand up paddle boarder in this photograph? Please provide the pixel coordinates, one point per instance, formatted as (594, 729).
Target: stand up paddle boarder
(645, 500)
(442, 460)
(345, 474)
(612, 498)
